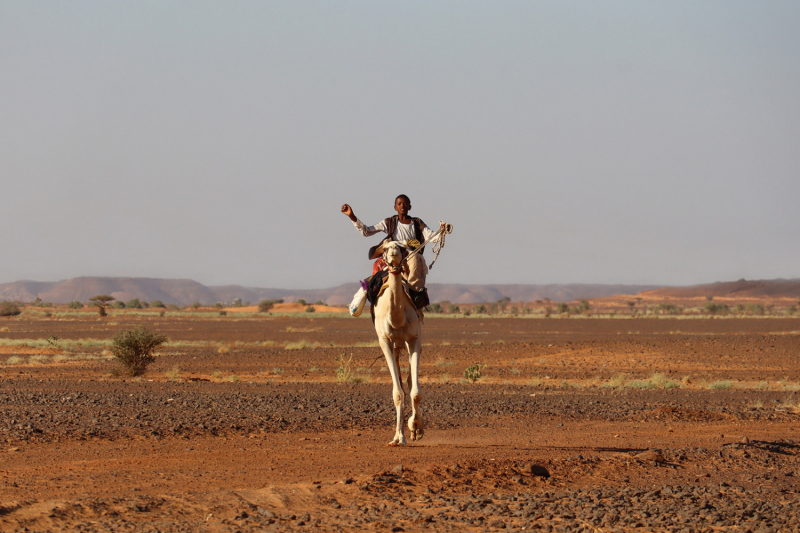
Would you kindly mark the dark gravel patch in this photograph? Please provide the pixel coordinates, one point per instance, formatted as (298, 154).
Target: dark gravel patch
(116, 409)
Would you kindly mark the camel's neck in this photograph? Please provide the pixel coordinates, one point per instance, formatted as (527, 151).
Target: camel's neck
(396, 297)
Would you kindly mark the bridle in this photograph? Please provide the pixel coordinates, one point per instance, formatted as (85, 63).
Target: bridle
(393, 269)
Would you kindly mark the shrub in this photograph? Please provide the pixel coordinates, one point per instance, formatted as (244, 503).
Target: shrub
(475, 372)
(118, 305)
(197, 305)
(755, 309)
(453, 309)
(301, 301)
(435, 308)
(310, 309)
(667, 309)
(9, 308)
(266, 305)
(133, 304)
(562, 308)
(75, 304)
(481, 309)
(319, 302)
(584, 307)
(157, 303)
(344, 372)
(134, 349)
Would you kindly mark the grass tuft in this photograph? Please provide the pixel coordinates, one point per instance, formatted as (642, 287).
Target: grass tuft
(442, 362)
(344, 372)
(663, 382)
(616, 382)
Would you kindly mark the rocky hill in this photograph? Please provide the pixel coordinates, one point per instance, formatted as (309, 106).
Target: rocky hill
(763, 288)
(186, 292)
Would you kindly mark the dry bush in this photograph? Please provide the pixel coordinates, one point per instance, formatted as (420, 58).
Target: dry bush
(134, 349)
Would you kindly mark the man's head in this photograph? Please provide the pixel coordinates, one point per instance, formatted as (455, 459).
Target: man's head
(402, 204)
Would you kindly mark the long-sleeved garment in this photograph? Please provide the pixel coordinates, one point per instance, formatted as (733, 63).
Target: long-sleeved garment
(402, 232)
(417, 269)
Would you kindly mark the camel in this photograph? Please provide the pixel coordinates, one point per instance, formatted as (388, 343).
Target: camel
(397, 322)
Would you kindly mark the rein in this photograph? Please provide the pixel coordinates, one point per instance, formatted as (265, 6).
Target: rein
(444, 229)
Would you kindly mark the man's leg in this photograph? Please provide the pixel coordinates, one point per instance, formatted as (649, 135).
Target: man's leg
(417, 271)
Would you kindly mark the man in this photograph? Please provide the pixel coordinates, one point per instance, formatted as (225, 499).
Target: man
(403, 228)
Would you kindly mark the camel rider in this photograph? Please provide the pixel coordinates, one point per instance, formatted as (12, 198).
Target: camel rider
(403, 228)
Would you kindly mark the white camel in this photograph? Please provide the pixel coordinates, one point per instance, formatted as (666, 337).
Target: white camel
(397, 322)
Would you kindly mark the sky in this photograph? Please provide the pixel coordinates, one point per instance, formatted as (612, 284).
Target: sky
(566, 141)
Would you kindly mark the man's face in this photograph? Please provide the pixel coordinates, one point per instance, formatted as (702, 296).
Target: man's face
(402, 206)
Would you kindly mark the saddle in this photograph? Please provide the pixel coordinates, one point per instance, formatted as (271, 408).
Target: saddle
(377, 284)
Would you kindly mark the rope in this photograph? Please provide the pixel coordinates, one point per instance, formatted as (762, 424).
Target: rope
(444, 229)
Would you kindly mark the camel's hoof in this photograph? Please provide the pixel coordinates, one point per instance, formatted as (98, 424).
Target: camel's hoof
(415, 425)
(396, 442)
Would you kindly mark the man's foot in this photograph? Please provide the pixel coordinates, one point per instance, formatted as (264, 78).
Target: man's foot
(357, 305)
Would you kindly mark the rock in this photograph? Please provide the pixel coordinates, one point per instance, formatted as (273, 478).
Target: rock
(266, 513)
(397, 469)
(651, 455)
(535, 470)
(744, 440)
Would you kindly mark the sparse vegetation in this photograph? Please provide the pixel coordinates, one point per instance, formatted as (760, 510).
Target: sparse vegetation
(173, 373)
(134, 349)
(442, 362)
(265, 305)
(310, 309)
(75, 304)
(9, 309)
(101, 302)
(663, 382)
(344, 371)
(617, 381)
(474, 372)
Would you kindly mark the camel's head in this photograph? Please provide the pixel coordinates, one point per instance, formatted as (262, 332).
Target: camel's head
(393, 253)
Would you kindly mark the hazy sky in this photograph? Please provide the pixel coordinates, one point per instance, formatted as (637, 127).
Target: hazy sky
(591, 142)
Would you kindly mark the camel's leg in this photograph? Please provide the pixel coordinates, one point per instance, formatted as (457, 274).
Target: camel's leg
(415, 421)
(398, 396)
(399, 372)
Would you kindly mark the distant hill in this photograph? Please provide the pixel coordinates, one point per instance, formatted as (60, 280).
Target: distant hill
(186, 292)
(762, 288)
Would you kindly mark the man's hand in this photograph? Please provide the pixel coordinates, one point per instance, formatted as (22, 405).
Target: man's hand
(347, 210)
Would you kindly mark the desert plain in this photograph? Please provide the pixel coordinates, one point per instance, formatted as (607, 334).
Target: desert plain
(279, 422)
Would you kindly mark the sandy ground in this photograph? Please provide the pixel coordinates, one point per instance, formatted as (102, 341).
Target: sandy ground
(241, 425)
